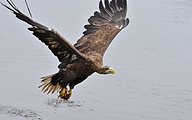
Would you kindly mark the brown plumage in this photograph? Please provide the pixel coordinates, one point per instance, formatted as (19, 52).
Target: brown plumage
(86, 56)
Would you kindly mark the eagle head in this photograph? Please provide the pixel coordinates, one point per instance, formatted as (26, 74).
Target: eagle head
(106, 70)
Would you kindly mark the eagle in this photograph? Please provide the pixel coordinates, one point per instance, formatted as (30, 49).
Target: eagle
(85, 57)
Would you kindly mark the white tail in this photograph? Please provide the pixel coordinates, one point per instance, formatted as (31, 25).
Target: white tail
(47, 86)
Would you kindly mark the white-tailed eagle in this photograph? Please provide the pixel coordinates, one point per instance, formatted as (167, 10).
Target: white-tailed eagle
(85, 57)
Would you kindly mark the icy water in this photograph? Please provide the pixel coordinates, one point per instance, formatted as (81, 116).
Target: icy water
(152, 58)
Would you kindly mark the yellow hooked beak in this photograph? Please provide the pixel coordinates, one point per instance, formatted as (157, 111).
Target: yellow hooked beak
(110, 71)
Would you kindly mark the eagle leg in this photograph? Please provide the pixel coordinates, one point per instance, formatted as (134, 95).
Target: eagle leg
(65, 94)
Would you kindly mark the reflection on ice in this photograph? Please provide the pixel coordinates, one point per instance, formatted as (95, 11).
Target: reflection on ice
(20, 112)
(64, 103)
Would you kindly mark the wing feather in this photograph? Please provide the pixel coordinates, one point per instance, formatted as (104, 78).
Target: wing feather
(103, 11)
(59, 46)
(101, 17)
(107, 7)
(103, 27)
(113, 6)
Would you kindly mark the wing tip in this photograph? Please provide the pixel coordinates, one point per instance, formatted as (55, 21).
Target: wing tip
(112, 12)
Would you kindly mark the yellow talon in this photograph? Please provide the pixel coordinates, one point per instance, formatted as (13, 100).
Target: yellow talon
(64, 94)
(70, 93)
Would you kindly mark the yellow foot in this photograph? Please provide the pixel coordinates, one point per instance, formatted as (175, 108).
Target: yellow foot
(65, 94)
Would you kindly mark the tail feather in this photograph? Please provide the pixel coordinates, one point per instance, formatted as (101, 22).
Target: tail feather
(47, 86)
(51, 89)
(56, 88)
(46, 77)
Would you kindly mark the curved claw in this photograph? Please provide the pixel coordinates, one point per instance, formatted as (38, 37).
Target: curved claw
(65, 94)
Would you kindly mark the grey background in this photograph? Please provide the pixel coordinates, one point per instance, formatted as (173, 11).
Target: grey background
(152, 58)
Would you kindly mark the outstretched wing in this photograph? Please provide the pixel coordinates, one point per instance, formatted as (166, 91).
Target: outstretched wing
(103, 27)
(59, 46)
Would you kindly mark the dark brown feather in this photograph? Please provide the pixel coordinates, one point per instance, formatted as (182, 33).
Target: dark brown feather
(107, 7)
(103, 11)
(103, 27)
(59, 46)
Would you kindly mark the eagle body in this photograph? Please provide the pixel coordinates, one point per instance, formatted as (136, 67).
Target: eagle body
(85, 57)
(74, 73)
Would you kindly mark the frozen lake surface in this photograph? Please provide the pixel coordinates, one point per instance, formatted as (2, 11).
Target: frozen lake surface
(152, 58)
